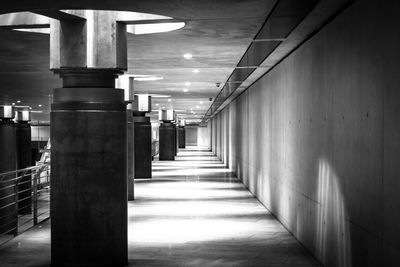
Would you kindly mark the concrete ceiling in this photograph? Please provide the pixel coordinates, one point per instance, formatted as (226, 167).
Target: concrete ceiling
(217, 34)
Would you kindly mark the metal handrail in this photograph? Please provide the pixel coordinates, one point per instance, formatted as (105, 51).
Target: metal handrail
(5, 174)
(18, 195)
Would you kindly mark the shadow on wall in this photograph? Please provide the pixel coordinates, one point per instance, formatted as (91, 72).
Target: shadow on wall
(333, 243)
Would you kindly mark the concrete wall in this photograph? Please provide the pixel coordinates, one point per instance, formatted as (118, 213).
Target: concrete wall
(191, 135)
(204, 137)
(40, 133)
(317, 140)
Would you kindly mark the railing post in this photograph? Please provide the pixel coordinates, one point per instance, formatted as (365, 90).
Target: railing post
(16, 207)
(34, 199)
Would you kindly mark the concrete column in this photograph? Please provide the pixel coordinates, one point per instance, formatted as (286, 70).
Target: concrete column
(129, 99)
(181, 137)
(167, 135)
(176, 139)
(24, 159)
(142, 146)
(89, 143)
(89, 172)
(8, 148)
(167, 141)
(131, 154)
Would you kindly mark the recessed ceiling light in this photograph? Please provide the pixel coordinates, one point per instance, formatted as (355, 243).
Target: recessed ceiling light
(39, 105)
(157, 105)
(187, 56)
(13, 104)
(169, 100)
(30, 107)
(163, 107)
(197, 106)
(18, 101)
(201, 102)
(159, 96)
(154, 27)
(148, 78)
(195, 71)
(185, 90)
(188, 83)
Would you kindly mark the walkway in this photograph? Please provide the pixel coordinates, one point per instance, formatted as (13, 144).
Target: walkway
(192, 213)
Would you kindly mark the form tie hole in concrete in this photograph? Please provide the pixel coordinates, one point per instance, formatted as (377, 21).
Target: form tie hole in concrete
(342, 117)
(367, 115)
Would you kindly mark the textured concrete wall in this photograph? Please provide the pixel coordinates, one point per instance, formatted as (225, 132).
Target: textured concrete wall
(191, 135)
(317, 140)
(204, 137)
(40, 133)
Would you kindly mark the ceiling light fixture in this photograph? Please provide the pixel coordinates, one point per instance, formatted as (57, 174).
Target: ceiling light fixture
(188, 56)
(148, 78)
(185, 90)
(39, 105)
(159, 96)
(196, 71)
(188, 83)
(35, 30)
(134, 21)
(169, 100)
(154, 27)
(157, 105)
(18, 101)
(197, 106)
(201, 102)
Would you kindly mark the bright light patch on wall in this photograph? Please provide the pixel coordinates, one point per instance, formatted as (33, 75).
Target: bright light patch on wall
(154, 27)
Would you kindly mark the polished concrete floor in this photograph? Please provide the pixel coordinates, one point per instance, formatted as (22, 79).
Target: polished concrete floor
(193, 212)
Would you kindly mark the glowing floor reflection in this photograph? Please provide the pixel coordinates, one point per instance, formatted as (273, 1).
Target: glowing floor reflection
(194, 212)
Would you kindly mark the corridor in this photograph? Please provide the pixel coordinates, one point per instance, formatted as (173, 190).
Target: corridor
(194, 212)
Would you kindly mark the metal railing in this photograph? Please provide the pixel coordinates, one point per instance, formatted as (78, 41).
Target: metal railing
(24, 199)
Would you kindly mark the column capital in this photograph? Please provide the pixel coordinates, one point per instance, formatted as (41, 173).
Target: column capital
(98, 41)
